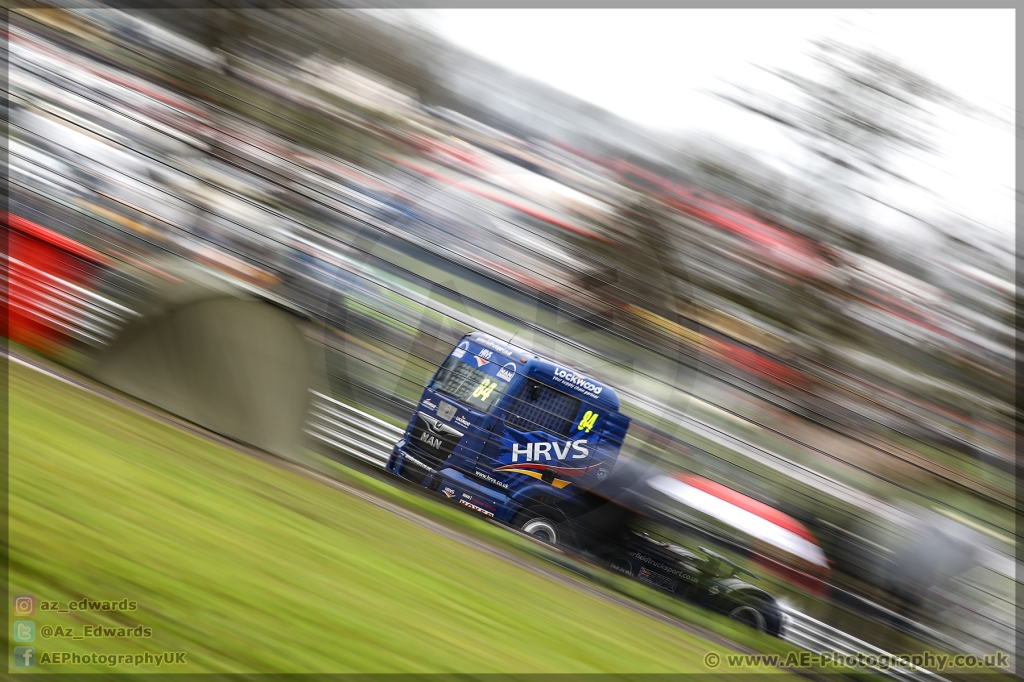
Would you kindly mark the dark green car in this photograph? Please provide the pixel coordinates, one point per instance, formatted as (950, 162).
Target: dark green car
(709, 580)
(607, 526)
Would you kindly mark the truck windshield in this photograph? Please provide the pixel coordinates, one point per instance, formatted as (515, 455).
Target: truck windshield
(469, 385)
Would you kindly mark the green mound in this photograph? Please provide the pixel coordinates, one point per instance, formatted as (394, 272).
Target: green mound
(238, 367)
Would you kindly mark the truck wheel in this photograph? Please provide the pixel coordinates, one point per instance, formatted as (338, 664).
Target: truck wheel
(542, 529)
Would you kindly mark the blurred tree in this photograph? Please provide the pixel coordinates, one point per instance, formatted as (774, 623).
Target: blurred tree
(405, 53)
(863, 111)
(717, 165)
(785, 199)
(221, 28)
(641, 268)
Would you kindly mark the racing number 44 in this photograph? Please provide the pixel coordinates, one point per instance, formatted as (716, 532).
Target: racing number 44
(483, 391)
(587, 422)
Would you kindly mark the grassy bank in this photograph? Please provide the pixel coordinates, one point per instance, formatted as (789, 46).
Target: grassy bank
(249, 568)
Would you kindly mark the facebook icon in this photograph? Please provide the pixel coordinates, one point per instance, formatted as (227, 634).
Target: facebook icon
(24, 656)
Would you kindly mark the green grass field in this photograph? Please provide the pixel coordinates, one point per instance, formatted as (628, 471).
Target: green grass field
(250, 568)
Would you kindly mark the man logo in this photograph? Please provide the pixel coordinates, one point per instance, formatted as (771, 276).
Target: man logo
(435, 425)
(508, 372)
(432, 441)
(431, 431)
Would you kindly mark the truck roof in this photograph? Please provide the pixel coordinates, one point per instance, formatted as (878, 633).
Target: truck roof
(556, 374)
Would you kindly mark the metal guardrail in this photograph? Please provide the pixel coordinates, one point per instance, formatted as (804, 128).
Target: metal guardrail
(353, 431)
(813, 635)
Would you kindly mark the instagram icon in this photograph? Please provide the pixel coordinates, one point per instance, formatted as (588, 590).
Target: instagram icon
(24, 605)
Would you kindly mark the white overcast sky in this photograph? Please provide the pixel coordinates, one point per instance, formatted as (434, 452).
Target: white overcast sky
(655, 66)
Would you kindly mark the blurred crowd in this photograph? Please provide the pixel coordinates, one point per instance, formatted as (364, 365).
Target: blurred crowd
(307, 181)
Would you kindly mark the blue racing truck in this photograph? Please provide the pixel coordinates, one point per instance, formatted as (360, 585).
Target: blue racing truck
(512, 435)
(531, 442)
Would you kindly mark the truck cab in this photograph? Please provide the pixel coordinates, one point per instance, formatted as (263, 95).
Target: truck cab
(511, 435)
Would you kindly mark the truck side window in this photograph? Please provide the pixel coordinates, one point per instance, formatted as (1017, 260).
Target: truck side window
(537, 407)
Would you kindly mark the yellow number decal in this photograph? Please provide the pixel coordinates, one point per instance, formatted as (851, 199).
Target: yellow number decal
(483, 391)
(587, 422)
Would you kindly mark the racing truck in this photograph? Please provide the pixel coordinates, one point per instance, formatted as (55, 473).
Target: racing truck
(512, 435)
(530, 442)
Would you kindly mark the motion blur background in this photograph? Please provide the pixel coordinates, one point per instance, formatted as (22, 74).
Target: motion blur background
(798, 272)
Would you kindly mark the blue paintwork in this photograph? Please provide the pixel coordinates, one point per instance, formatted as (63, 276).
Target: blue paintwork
(485, 470)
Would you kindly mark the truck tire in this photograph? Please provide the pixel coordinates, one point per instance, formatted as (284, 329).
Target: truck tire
(548, 523)
(541, 528)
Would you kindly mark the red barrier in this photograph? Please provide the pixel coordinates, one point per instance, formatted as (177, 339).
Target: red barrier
(46, 275)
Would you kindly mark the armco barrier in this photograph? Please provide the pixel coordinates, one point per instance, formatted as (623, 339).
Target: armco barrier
(818, 637)
(351, 430)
